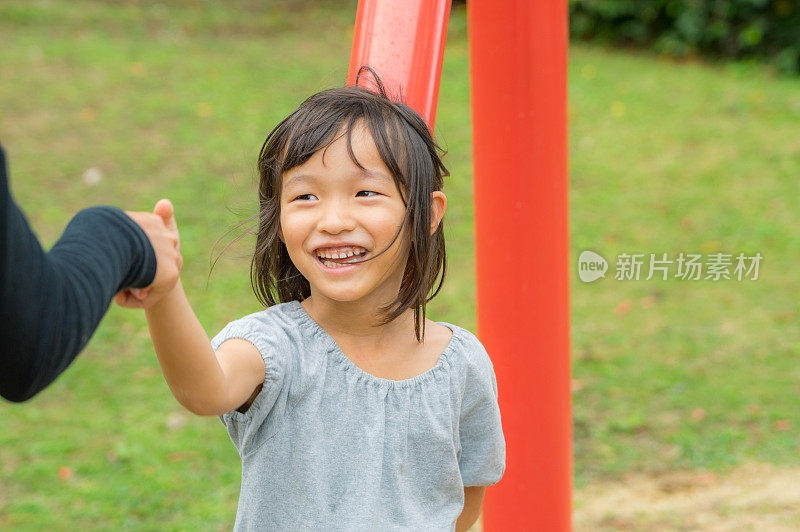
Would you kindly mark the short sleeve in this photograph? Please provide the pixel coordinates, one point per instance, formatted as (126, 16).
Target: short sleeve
(483, 447)
(249, 430)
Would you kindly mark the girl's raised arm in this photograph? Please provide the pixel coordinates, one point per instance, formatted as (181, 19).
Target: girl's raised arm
(206, 383)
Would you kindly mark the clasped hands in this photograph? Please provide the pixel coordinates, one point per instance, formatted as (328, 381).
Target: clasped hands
(162, 230)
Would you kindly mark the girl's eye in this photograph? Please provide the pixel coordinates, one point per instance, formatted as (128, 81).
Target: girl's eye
(303, 196)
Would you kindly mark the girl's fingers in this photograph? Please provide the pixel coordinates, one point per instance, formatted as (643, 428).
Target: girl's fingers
(140, 293)
(126, 299)
(119, 298)
(165, 209)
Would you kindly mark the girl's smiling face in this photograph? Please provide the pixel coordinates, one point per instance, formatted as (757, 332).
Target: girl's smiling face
(329, 202)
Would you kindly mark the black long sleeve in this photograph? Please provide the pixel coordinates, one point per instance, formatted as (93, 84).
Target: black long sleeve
(51, 303)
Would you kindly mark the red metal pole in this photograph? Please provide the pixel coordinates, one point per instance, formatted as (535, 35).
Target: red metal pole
(403, 42)
(518, 62)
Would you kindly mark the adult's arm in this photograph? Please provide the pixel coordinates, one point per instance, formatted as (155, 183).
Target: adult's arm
(51, 303)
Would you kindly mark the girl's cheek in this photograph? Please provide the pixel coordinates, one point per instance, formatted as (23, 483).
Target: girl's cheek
(385, 218)
(297, 227)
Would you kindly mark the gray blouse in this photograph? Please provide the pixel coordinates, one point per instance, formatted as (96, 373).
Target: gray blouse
(328, 446)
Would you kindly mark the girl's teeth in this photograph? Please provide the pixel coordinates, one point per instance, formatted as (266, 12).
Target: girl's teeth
(331, 264)
(336, 255)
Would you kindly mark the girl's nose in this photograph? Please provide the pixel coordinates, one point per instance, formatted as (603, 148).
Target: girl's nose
(335, 218)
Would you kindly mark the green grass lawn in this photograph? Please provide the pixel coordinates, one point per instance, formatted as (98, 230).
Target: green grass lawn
(670, 158)
(174, 100)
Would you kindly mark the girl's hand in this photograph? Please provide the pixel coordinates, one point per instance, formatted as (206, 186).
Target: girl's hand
(162, 230)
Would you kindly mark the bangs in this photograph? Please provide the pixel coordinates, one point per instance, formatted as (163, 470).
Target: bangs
(307, 135)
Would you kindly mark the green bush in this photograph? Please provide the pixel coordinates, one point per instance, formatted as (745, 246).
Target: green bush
(716, 28)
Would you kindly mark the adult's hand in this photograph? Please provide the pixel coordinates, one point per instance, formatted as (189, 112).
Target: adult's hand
(162, 230)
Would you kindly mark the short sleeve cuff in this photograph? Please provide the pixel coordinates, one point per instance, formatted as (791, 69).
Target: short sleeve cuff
(273, 373)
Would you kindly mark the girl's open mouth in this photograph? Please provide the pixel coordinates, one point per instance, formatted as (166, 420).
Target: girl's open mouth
(341, 264)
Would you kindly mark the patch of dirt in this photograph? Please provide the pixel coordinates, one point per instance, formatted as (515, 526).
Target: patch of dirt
(752, 497)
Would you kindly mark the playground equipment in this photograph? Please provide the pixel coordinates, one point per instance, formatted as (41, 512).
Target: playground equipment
(518, 79)
(404, 43)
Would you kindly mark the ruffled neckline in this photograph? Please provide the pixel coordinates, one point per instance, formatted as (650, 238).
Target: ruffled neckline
(311, 326)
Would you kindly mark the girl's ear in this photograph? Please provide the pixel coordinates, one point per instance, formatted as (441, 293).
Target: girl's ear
(438, 206)
(280, 234)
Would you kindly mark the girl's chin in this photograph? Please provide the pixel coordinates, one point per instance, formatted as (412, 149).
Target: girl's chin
(339, 296)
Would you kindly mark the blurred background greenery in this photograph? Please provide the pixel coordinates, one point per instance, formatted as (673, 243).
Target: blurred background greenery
(126, 102)
(731, 29)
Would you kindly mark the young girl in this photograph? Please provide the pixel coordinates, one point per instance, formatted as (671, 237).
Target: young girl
(350, 409)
